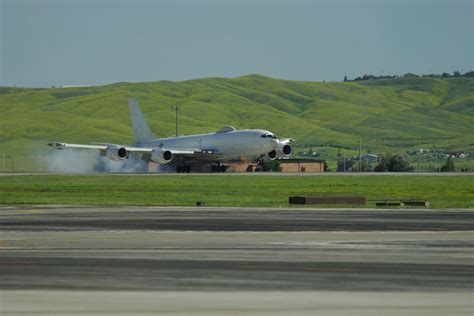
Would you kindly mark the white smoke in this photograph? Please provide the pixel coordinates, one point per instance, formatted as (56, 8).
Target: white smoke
(88, 161)
(67, 160)
(164, 168)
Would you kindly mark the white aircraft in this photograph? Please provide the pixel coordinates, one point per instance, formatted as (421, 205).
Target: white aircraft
(192, 151)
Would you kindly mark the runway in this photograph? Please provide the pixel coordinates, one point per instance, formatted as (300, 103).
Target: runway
(71, 218)
(172, 260)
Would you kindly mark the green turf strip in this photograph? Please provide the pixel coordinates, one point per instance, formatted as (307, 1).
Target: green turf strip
(263, 191)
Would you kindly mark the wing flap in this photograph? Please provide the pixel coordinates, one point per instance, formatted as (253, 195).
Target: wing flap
(58, 145)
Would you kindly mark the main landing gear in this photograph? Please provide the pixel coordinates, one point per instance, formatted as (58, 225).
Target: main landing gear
(218, 168)
(183, 169)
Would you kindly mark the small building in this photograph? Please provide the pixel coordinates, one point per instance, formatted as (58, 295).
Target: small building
(302, 165)
(287, 165)
(241, 166)
(367, 157)
(345, 165)
(370, 158)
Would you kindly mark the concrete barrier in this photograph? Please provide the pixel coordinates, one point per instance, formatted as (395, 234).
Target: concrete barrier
(326, 200)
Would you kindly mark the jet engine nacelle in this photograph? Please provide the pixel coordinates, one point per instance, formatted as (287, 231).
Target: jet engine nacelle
(161, 156)
(284, 150)
(272, 155)
(116, 153)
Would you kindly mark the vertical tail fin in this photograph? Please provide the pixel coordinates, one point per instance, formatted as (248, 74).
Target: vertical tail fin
(141, 131)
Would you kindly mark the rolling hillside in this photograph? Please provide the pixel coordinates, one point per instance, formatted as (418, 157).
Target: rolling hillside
(391, 114)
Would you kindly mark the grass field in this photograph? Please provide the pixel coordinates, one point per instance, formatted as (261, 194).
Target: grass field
(236, 190)
(389, 115)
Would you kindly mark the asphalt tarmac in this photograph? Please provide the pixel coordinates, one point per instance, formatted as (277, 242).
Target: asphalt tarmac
(71, 218)
(235, 261)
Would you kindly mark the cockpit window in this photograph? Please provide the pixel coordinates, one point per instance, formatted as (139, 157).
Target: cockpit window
(269, 136)
(264, 136)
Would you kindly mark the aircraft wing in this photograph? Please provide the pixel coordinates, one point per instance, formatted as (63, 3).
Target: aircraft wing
(104, 146)
(185, 153)
(78, 146)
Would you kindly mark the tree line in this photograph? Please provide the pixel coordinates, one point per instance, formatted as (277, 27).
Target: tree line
(399, 163)
(455, 74)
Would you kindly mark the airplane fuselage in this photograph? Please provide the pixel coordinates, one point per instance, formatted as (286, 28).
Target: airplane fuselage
(232, 145)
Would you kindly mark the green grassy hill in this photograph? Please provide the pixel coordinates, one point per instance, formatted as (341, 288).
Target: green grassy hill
(391, 114)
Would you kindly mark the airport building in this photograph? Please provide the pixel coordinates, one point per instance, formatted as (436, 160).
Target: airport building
(303, 165)
(287, 165)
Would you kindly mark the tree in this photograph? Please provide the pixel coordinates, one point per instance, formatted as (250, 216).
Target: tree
(393, 163)
(469, 74)
(345, 78)
(364, 166)
(449, 165)
(410, 75)
(271, 166)
(379, 168)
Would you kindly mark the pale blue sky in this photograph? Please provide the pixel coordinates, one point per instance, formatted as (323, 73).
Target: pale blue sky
(76, 42)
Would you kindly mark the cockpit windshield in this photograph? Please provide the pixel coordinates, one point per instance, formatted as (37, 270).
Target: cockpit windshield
(269, 135)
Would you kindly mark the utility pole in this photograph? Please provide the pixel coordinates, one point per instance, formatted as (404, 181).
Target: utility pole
(177, 110)
(419, 153)
(360, 154)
